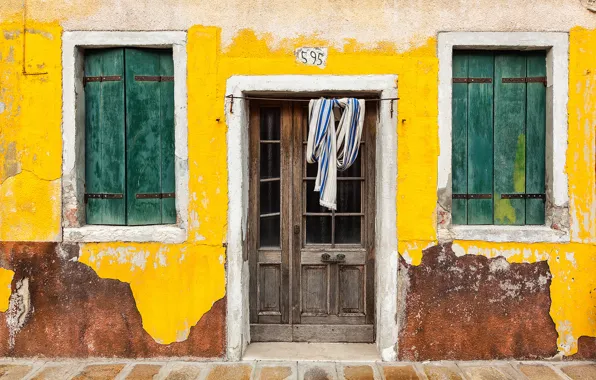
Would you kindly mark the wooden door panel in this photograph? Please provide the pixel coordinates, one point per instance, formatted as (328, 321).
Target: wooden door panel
(315, 290)
(269, 289)
(351, 289)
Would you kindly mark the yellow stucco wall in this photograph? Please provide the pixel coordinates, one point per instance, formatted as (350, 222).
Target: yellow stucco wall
(174, 285)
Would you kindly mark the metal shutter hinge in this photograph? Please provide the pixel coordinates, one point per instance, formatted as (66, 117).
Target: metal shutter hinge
(471, 196)
(525, 80)
(472, 80)
(155, 78)
(523, 196)
(103, 196)
(110, 78)
(155, 195)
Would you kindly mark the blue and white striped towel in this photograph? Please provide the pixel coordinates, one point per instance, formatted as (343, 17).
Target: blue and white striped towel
(333, 149)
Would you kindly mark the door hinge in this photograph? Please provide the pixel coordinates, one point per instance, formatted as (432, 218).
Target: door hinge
(102, 196)
(523, 196)
(471, 196)
(472, 80)
(155, 195)
(154, 78)
(109, 78)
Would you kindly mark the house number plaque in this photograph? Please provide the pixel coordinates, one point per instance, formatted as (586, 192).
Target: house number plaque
(312, 56)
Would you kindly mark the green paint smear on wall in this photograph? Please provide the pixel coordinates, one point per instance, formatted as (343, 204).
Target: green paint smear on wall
(504, 211)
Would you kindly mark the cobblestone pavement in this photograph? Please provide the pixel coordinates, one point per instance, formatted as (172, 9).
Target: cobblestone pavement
(180, 370)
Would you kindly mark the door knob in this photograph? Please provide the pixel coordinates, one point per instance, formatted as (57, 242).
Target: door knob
(296, 229)
(339, 258)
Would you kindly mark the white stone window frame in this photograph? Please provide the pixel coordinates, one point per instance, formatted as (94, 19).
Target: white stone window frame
(237, 274)
(73, 130)
(556, 45)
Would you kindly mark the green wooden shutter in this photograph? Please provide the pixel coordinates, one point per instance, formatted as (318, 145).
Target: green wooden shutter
(472, 137)
(104, 137)
(510, 138)
(480, 137)
(149, 136)
(168, 181)
(535, 137)
(498, 137)
(459, 158)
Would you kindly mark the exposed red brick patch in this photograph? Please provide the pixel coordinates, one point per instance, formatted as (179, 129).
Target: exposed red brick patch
(472, 307)
(77, 314)
(586, 348)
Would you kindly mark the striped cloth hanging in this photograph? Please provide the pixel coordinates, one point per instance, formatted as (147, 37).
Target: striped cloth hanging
(333, 149)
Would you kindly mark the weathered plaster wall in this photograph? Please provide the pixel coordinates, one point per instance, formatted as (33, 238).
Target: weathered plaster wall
(175, 287)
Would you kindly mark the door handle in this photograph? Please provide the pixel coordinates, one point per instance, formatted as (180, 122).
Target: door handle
(339, 258)
(296, 229)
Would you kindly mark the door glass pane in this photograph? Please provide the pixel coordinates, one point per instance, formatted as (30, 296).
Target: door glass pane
(312, 199)
(270, 123)
(269, 231)
(349, 196)
(355, 169)
(311, 169)
(270, 160)
(269, 197)
(270, 167)
(347, 229)
(318, 230)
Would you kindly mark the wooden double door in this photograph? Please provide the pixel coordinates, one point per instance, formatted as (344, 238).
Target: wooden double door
(311, 269)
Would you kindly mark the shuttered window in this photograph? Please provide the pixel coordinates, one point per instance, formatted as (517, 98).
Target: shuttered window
(129, 137)
(498, 135)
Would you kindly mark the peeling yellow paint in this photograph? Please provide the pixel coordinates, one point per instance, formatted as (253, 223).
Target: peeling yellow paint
(573, 307)
(6, 276)
(175, 285)
(30, 134)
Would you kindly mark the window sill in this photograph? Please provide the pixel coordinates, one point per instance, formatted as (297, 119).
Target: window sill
(102, 234)
(503, 234)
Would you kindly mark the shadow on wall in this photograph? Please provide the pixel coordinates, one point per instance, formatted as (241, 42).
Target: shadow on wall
(61, 308)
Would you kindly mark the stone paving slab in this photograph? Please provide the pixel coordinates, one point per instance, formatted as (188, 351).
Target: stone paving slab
(399, 372)
(441, 371)
(290, 370)
(357, 371)
(317, 371)
(276, 371)
(538, 372)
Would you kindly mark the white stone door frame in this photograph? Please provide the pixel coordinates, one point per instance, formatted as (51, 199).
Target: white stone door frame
(386, 256)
